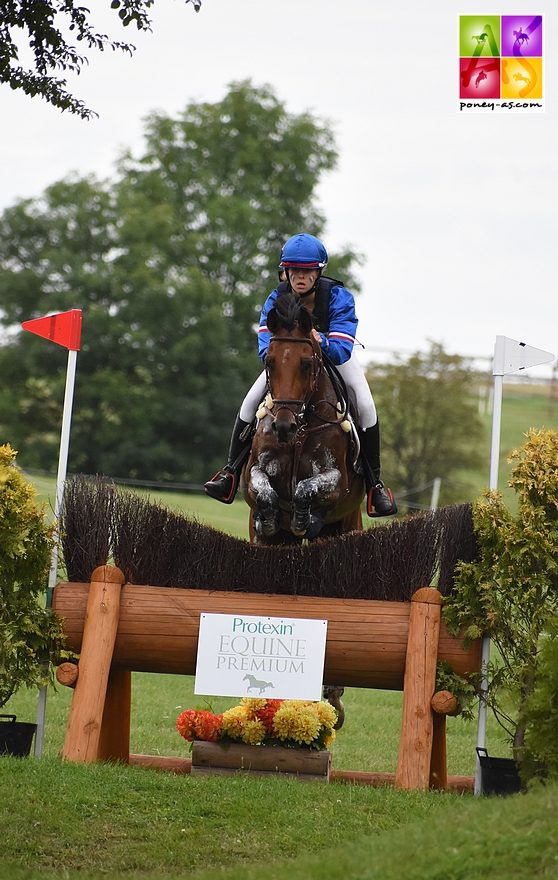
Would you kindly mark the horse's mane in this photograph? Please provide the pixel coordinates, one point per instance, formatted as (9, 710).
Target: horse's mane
(290, 311)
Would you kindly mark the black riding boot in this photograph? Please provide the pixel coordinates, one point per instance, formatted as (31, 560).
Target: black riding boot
(224, 484)
(379, 500)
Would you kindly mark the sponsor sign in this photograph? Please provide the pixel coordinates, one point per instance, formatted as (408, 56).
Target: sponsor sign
(268, 657)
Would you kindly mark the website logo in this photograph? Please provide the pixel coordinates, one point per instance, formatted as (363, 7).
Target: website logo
(501, 63)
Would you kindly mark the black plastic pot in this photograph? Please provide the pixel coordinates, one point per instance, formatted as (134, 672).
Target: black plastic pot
(15, 736)
(498, 775)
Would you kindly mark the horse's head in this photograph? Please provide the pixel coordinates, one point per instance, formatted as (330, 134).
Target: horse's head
(293, 364)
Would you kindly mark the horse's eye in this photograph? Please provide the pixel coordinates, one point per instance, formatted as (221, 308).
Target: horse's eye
(270, 364)
(306, 365)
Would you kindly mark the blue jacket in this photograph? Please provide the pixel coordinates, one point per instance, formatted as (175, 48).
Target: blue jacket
(343, 322)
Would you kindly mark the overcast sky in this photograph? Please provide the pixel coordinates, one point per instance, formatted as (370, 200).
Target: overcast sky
(455, 214)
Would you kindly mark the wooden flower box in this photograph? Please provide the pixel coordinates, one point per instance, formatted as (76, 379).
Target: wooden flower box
(228, 758)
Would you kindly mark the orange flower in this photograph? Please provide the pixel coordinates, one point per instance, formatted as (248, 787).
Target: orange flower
(198, 724)
(267, 713)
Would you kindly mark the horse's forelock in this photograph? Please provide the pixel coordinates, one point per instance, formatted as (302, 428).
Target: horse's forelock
(288, 310)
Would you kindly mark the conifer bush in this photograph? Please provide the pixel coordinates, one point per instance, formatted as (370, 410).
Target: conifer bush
(30, 634)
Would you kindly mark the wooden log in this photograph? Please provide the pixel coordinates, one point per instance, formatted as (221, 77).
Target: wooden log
(67, 674)
(83, 732)
(443, 703)
(158, 631)
(226, 759)
(114, 741)
(415, 745)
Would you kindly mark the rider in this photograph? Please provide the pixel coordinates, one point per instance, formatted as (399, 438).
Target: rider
(303, 258)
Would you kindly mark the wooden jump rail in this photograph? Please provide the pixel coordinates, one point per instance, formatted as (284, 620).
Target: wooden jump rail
(118, 628)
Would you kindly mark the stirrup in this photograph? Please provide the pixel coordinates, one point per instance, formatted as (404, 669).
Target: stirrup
(387, 505)
(222, 487)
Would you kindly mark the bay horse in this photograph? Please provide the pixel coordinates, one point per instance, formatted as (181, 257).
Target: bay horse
(300, 478)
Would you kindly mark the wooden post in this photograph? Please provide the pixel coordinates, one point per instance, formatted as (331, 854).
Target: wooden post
(83, 733)
(443, 703)
(114, 742)
(415, 745)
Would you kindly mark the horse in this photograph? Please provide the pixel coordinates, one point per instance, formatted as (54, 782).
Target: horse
(300, 479)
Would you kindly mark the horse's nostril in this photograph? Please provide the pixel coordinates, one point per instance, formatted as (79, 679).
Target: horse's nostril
(274, 427)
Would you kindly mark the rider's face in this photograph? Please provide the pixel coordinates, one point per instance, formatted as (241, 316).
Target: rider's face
(302, 280)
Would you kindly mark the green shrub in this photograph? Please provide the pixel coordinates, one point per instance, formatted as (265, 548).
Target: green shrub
(540, 758)
(511, 592)
(29, 633)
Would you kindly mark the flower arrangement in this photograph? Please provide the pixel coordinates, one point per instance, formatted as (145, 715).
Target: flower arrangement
(293, 723)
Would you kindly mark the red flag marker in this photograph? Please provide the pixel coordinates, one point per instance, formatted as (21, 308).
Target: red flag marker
(63, 328)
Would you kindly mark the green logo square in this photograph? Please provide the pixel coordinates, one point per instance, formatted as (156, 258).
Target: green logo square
(479, 35)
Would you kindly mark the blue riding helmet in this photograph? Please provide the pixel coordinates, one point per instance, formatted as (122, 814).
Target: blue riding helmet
(304, 251)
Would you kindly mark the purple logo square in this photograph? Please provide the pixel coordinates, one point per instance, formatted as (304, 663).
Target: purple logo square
(521, 35)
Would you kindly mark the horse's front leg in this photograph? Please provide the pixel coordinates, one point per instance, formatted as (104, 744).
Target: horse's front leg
(310, 495)
(266, 500)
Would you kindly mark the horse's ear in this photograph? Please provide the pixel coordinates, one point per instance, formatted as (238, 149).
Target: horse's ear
(272, 321)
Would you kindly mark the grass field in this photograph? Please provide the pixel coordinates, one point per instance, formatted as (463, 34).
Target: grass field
(87, 822)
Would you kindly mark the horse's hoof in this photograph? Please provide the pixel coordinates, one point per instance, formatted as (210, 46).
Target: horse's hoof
(300, 522)
(266, 525)
(314, 527)
(306, 525)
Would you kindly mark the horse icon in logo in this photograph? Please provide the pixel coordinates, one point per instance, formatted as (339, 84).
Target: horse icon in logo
(521, 37)
(256, 685)
(482, 75)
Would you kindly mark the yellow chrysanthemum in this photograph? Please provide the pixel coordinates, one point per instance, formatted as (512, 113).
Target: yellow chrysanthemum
(326, 713)
(253, 704)
(253, 733)
(329, 739)
(297, 721)
(233, 721)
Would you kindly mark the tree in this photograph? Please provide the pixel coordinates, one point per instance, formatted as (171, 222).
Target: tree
(430, 423)
(170, 263)
(50, 26)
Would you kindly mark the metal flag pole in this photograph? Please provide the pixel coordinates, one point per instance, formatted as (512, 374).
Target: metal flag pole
(509, 357)
(60, 481)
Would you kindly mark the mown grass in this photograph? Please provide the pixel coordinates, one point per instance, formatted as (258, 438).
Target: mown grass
(86, 822)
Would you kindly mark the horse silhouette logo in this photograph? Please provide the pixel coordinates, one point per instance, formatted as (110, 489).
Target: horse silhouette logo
(482, 75)
(521, 37)
(256, 685)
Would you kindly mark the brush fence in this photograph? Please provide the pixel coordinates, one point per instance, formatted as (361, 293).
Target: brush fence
(118, 628)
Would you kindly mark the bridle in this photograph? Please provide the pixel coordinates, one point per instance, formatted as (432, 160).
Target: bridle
(297, 408)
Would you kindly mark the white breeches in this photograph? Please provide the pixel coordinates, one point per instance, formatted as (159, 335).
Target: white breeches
(357, 387)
